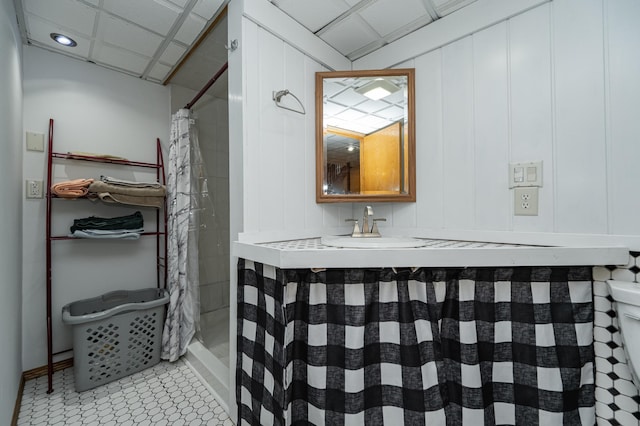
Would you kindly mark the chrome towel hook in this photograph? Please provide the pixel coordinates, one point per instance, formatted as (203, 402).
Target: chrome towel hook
(232, 46)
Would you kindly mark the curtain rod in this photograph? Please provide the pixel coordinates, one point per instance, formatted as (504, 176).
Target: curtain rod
(208, 85)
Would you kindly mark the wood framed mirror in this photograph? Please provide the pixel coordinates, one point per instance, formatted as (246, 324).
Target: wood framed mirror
(365, 136)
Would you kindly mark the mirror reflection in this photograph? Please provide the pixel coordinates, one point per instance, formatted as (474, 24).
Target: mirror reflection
(365, 143)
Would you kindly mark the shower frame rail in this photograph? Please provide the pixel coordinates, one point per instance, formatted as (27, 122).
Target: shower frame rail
(161, 258)
(207, 86)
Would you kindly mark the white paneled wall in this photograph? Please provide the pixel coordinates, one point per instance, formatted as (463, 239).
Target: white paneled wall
(530, 107)
(622, 89)
(491, 127)
(279, 156)
(95, 110)
(11, 212)
(458, 134)
(430, 157)
(579, 160)
(558, 83)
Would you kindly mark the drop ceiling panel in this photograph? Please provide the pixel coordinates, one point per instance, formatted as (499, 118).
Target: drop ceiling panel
(386, 17)
(345, 108)
(330, 88)
(207, 8)
(445, 7)
(332, 109)
(122, 34)
(150, 35)
(349, 35)
(353, 126)
(397, 98)
(181, 3)
(313, 14)
(120, 58)
(68, 14)
(371, 106)
(373, 122)
(349, 98)
(172, 53)
(156, 16)
(39, 31)
(392, 113)
(190, 29)
(159, 71)
(350, 115)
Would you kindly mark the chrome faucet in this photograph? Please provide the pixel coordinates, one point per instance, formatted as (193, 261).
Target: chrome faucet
(366, 231)
(368, 211)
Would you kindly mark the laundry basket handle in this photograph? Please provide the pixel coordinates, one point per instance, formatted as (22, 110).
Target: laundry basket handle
(115, 296)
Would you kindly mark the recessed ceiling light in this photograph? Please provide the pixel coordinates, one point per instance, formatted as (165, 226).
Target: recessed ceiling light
(377, 89)
(63, 40)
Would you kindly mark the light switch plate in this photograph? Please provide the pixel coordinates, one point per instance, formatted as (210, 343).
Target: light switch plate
(525, 174)
(35, 141)
(525, 201)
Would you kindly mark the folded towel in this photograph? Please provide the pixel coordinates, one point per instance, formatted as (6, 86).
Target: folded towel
(131, 222)
(122, 234)
(132, 184)
(100, 187)
(72, 188)
(131, 200)
(79, 154)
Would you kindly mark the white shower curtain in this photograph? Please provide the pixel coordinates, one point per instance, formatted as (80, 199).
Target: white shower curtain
(186, 187)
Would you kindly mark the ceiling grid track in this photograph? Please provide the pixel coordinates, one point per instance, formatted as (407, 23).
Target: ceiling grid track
(22, 25)
(431, 9)
(138, 38)
(94, 33)
(169, 37)
(358, 7)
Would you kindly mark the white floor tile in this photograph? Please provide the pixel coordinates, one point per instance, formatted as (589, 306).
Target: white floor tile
(166, 394)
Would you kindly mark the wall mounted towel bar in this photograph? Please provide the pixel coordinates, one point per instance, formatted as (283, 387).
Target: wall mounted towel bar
(277, 96)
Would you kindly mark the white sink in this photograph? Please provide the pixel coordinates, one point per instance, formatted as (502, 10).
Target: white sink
(372, 242)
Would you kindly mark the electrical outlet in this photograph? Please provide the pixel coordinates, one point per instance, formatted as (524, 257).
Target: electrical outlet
(525, 201)
(34, 188)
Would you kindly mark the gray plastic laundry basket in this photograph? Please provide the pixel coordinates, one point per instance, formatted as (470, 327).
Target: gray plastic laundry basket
(116, 334)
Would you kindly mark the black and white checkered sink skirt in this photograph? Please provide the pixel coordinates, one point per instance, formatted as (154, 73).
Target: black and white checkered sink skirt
(481, 346)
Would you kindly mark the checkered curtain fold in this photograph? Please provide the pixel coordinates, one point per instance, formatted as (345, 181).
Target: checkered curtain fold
(479, 346)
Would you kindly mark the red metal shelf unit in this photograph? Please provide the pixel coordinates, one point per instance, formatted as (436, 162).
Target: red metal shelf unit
(160, 259)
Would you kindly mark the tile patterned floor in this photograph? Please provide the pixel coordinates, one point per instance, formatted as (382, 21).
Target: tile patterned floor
(166, 394)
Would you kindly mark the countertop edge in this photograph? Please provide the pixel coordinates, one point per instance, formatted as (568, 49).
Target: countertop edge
(432, 257)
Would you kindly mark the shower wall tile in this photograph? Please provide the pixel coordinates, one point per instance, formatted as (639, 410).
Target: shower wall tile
(617, 398)
(213, 127)
(212, 296)
(226, 289)
(206, 298)
(214, 270)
